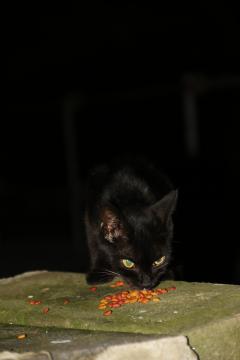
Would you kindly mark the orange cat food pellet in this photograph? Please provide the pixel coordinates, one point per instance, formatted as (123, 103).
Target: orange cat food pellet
(103, 302)
(149, 296)
(45, 310)
(107, 312)
(113, 304)
(144, 301)
(93, 288)
(116, 305)
(102, 307)
(134, 293)
(34, 302)
(66, 301)
(161, 291)
(21, 336)
(117, 284)
(172, 288)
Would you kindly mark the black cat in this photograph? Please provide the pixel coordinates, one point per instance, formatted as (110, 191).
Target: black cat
(129, 224)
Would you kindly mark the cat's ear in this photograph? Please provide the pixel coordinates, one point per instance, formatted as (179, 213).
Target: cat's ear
(166, 206)
(111, 225)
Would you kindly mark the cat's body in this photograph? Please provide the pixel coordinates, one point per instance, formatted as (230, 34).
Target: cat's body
(129, 224)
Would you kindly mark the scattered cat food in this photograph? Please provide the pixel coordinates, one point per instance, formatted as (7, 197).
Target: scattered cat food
(21, 336)
(130, 297)
(45, 310)
(66, 301)
(93, 288)
(34, 302)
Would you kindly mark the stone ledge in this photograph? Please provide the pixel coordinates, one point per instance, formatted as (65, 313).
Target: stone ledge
(207, 314)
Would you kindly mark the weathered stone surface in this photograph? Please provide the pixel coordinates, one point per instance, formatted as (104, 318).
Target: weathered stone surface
(117, 348)
(208, 314)
(56, 339)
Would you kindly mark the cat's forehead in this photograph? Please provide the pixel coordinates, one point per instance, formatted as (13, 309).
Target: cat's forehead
(143, 222)
(141, 252)
(144, 238)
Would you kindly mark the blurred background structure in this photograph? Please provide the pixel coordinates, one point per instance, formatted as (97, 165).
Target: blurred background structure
(90, 82)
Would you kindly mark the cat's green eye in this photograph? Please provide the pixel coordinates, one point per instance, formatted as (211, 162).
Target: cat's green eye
(159, 262)
(128, 264)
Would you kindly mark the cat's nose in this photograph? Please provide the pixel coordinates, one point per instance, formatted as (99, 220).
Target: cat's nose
(145, 282)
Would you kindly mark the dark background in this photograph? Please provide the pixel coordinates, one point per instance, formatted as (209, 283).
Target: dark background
(87, 83)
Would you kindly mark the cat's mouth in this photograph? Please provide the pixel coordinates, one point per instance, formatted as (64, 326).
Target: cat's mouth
(140, 286)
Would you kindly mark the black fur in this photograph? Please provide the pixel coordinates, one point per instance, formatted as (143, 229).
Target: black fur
(129, 216)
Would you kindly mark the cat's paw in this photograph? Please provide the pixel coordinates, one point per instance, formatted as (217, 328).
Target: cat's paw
(96, 277)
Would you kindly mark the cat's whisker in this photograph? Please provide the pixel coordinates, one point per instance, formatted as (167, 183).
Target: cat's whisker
(112, 272)
(107, 273)
(103, 273)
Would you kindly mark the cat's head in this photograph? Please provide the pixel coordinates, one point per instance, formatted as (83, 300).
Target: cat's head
(139, 240)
